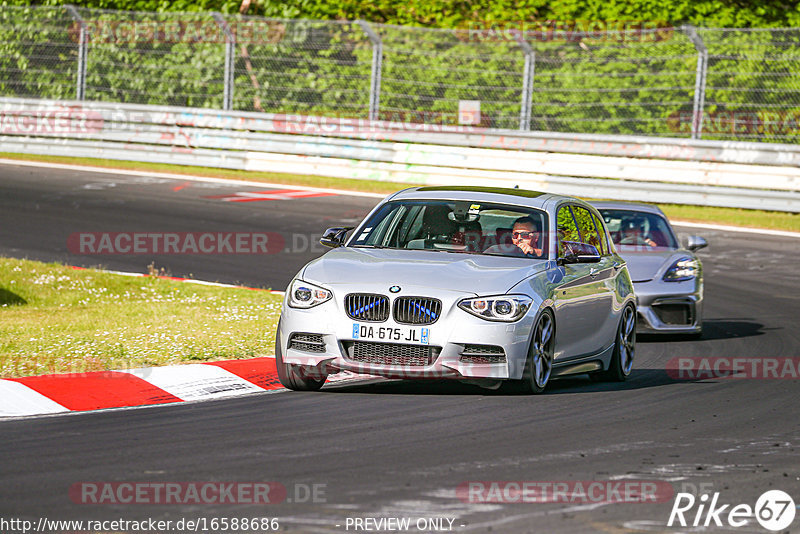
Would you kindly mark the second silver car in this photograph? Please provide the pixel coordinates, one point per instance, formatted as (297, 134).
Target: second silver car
(667, 277)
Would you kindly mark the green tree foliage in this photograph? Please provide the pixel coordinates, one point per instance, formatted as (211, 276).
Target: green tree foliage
(459, 13)
(226, 6)
(37, 53)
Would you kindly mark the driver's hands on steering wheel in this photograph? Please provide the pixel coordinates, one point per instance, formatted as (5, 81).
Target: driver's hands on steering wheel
(637, 240)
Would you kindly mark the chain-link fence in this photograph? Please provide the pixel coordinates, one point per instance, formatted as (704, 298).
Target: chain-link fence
(38, 53)
(676, 82)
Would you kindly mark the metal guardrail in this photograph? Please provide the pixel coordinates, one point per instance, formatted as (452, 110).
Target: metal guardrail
(744, 175)
(468, 136)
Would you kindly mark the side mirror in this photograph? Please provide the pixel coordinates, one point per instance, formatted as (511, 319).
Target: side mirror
(334, 237)
(575, 252)
(695, 242)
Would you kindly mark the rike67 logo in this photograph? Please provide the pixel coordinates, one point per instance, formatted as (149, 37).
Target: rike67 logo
(774, 510)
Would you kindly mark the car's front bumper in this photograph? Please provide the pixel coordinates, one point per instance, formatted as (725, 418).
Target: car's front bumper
(460, 345)
(669, 307)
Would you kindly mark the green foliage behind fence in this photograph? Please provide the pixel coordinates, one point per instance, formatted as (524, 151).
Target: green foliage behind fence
(454, 14)
(634, 82)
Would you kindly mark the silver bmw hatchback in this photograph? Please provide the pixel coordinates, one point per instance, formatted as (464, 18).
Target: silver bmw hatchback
(483, 285)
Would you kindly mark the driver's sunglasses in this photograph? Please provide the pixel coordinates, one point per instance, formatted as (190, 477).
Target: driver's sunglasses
(523, 235)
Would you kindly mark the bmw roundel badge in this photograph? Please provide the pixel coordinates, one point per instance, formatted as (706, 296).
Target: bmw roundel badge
(394, 289)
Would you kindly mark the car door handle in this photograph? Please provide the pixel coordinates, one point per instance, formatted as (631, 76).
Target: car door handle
(593, 272)
(617, 265)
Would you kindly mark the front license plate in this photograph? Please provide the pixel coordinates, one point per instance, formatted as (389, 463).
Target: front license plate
(418, 336)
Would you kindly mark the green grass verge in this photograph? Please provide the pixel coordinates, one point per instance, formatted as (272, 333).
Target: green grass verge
(774, 220)
(729, 216)
(55, 319)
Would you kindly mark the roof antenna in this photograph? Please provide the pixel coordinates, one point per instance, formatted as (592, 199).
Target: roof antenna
(516, 186)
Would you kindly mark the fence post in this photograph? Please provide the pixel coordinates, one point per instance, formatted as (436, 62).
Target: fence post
(699, 82)
(527, 84)
(230, 58)
(83, 49)
(375, 76)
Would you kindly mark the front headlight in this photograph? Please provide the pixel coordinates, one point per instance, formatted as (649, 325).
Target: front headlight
(682, 270)
(497, 308)
(305, 295)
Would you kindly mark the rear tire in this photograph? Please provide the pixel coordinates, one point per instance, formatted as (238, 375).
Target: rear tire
(296, 377)
(624, 349)
(539, 365)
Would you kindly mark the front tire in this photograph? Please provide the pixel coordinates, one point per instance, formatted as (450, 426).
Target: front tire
(296, 377)
(624, 349)
(539, 365)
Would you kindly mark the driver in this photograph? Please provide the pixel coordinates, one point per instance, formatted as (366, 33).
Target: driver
(633, 233)
(525, 239)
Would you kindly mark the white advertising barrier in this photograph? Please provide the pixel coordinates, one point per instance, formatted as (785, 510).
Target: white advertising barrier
(613, 145)
(269, 142)
(588, 166)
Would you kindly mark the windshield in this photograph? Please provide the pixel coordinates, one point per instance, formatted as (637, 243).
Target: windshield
(638, 229)
(457, 226)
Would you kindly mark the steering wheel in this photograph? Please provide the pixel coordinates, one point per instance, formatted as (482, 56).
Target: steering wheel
(634, 240)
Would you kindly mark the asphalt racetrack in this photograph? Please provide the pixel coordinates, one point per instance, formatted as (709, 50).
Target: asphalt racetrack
(389, 449)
